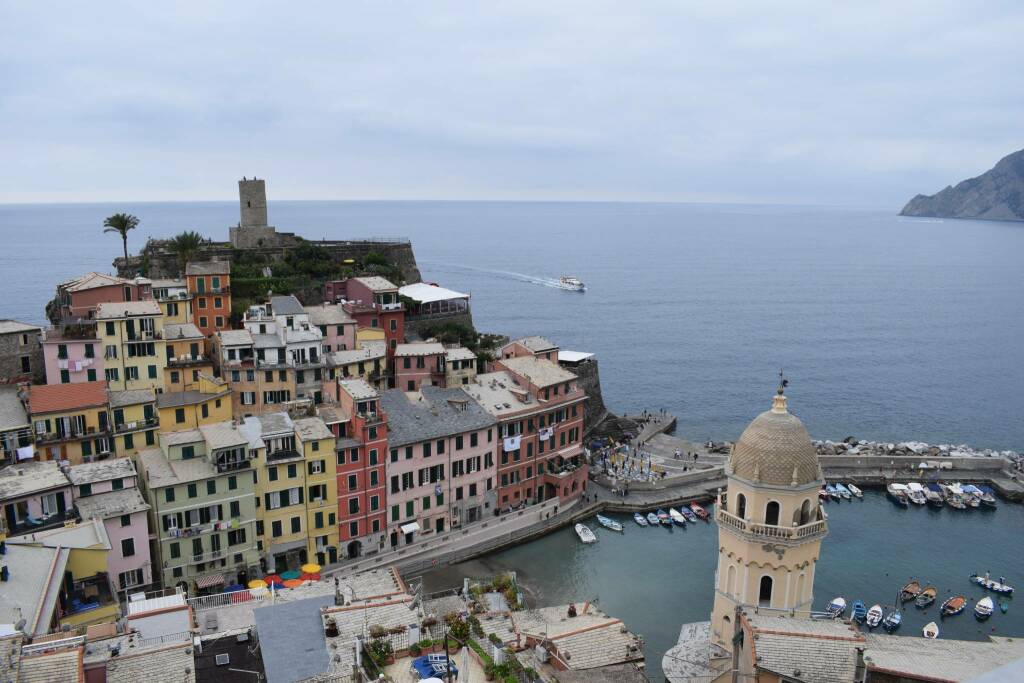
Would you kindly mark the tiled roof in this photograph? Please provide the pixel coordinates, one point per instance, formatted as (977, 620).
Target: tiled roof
(328, 314)
(175, 399)
(10, 326)
(120, 399)
(775, 448)
(92, 281)
(292, 639)
(29, 591)
(30, 477)
(539, 371)
(945, 660)
(173, 331)
(111, 504)
(162, 472)
(311, 429)
(222, 435)
(499, 394)
(459, 353)
(12, 411)
(286, 305)
(125, 309)
(55, 398)
(104, 470)
(368, 352)
(63, 665)
(811, 650)
(535, 344)
(170, 664)
(235, 337)
(207, 268)
(332, 414)
(434, 413)
(419, 349)
(275, 423)
(357, 388)
(375, 283)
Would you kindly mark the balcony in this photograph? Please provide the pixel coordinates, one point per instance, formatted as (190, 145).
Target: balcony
(187, 360)
(207, 556)
(70, 435)
(143, 336)
(283, 454)
(770, 531)
(233, 466)
(30, 524)
(136, 425)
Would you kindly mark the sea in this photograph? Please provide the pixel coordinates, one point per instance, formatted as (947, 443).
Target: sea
(887, 328)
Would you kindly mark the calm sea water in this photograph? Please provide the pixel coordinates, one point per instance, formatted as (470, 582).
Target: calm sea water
(655, 580)
(888, 328)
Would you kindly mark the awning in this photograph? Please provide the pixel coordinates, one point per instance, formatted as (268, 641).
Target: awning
(210, 581)
(411, 527)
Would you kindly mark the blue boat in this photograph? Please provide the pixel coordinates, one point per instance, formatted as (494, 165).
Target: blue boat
(685, 511)
(860, 612)
(652, 519)
(832, 491)
(844, 492)
(664, 518)
(892, 620)
(935, 495)
(639, 519)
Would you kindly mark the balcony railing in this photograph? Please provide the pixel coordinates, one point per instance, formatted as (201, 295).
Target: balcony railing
(136, 425)
(144, 336)
(183, 361)
(233, 466)
(207, 556)
(283, 454)
(771, 531)
(70, 435)
(30, 524)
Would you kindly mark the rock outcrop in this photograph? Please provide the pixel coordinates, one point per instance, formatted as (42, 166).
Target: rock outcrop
(996, 195)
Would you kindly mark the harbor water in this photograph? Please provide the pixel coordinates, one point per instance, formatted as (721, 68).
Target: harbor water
(655, 580)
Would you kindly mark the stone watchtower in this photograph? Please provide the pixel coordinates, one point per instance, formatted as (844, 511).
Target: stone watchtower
(252, 230)
(770, 523)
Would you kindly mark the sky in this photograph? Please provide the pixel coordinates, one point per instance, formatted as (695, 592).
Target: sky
(852, 104)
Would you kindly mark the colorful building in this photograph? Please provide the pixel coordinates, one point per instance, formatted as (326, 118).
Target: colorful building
(419, 364)
(459, 367)
(373, 303)
(209, 285)
(35, 496)
(257, 387)
(187, 357)
(21, 353)
(16, 443)
(284, 338)
(368, 363)
(72, 353)
(108, 491)
(317, 445)
(134, 351)
(208, 403)
(174, 299)
(538, 347)
(71, 421)
(79, 298)
(336, 326)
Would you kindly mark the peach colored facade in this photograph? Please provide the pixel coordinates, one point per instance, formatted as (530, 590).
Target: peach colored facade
(418, 365)
(82, 303)
(77, 360)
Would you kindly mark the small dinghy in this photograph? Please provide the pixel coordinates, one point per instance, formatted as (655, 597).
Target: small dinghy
(585, 534)
(688, 513)
(910, 591)
(892, 620)
(983, 608)
(639, 519)
(832, 491)
(874, 617)
(926, 596)
(677, 517)
(837, 607)
(663, 518)
(844, 492)
(930, 630)
(954, 605)
(999, 586)
(859, 612)
(699, 511)
(857, 493)
(609, 523)
(652, 519)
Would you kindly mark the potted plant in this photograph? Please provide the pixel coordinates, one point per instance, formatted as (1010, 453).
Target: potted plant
(489, 671)
(414, 650)
(377, 631)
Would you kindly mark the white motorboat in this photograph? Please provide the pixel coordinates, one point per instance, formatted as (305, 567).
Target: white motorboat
(571, 283)
(855, 491)
(837, 607)
(677, 517)
(930, 630)
(874, 617)
(585, 534)
(916, 493)
(983, 608)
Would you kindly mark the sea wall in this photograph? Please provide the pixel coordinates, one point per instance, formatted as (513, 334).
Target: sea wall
(589, 378)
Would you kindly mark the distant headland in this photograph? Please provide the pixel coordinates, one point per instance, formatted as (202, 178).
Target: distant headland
(997, 195)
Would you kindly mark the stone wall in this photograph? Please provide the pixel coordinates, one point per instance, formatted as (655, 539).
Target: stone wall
(11, 352)
(594, 410)
(414, 327)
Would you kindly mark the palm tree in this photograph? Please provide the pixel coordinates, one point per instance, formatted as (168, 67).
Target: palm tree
(186, 245)
(121, 223)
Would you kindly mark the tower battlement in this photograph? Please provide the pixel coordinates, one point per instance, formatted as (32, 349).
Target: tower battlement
(252, 230)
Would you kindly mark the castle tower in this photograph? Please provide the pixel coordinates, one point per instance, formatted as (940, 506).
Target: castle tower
(252, 198)
(770, 523)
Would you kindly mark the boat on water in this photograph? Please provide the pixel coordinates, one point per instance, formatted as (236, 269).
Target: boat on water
(571, 283)
(898, 494)
(988, 496)
(688, 513)
(1004, 606)
(954, 499)
(930, 630)
(663, 518)
(699, 511)
(892, 620)
(910, 591)
(844, 492)
(978, 494)
(915, 492)
(609, 523)
(957, 490)
(983, 608)
(926, 596)
(933, 492)
(953, 605)
(585, 534)
(822, 494)
(652, 519)
(874, 617)
(857, 493)
(677, 517)
(832, 491)
(639, 519)
(837, 607)
(858, 611)
(988, 583)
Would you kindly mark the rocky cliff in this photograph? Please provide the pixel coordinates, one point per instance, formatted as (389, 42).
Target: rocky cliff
(996, 195)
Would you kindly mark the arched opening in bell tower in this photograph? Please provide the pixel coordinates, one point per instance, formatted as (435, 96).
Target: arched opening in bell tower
(771, 513)
(764, 593)
(741, 506)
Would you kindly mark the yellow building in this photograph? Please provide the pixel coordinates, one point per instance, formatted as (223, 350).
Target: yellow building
(369, 362)
(131, 334)
(369, 334)
(134, 420)
(209, 403)
(316, 443)
(770, 524)
(174, 299)
(187, 357)
(70, 421)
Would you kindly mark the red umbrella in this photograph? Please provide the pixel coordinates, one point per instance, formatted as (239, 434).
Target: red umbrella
(274, 579)
(310, 577)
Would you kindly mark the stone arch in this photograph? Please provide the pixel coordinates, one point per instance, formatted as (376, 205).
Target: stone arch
(730, 580)
(764, 591)
(805, 512)
(771, 512)
(741, 506)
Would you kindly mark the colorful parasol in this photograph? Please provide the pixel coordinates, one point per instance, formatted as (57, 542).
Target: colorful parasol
(292, 583)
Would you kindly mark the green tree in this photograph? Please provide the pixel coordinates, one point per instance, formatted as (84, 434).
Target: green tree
(121, 223)
(186, 245)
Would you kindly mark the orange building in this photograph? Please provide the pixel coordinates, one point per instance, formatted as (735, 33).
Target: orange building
(209, 285)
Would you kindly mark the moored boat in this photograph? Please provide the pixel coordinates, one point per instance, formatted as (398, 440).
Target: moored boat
(822, 494)
(609, 523)
(910, 591)
(930, 630)
(897, 493)
(832, 491)
(639, 519)
(688, 513)
(585, 534)
(892, 620)
(965, 497)
(652, 519)
(858, 611)
(837, 607)
(874, 617)
(857, 493)
(988, 496)
(933, 492)
(699, 511)
(926, 596)
(915, 492)
(983, 608)
(953, 605)
(677, 517)
(844, 492)
(1004, 606)
(663, 518)
(986, 582)
(953, 499)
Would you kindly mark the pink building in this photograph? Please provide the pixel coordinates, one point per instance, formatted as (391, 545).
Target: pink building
(337, 327)
(538, 347)
(419, 364)
(79, 297)
(72, 354)
(35, 496)
(441, 467)
(108, 491)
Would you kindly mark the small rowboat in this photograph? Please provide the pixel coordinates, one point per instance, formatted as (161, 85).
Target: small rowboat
(843, 491)
(639, 519)
(983, 608)
(910, 591)
(833, 491)
(652, 519)
(837, 607)
(892, 621)
(857, 493)
(999, 586)
(930, 630)
(926, 597)
(585, 534)
(688, 513)
(859, 611)
(609, 523)
(663, 518)
(874, 617)
(954, 605)
(677, 517)
(699, 511)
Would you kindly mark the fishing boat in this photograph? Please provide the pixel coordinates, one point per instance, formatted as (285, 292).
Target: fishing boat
(930, 630)
(874, 617)
(585, 534)
(857, 493)
(910, 591)
(844, 492)
(954, 605)
(832, 491)
(677, 517)
(983, 608)
(688, 513)
(926, 596)
(915, 492)
(571, 283)
(892, 620)
(1004, 606)
(639, 519)
(699, 511)
(967, 499)
(988, 496)
(953, 499)
(978, 494)
(609, 523)
(933, 492)
(988, 583)
(898, 494)
(652, 519)
(859, 612)
(663, 518)
(837, 607)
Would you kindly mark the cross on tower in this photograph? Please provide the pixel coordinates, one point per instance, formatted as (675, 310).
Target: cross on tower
(783, 383)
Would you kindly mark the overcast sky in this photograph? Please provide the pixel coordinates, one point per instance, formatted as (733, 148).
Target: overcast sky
(804, 102)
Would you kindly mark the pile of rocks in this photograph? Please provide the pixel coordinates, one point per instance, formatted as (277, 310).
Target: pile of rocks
(854, 446)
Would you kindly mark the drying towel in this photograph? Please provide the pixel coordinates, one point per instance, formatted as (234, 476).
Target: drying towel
(512, 443)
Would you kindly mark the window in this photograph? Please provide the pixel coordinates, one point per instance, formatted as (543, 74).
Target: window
(127, 547)
(235, 509)
(232, 483)
(90, 375)
(236, 536)
(293, 471)
(179, 415)
(110, 329)
(192, 491)
(169, 495)
(217, 302)
(111, 375)
(202, 321)
(394, 455)
(318, 520)
(374, 503)
(188, 452)
(353, 506)
(272, 473)
(472, 439)
(152, 372)
(771, 513)
(131, 373)
(211, 487)
(373, 456)
(85, 490)
(353, 529)
(426, 503)
(296, 525)
(426, 449)
(275, 528)
(458, 442)
(65, 377)
(764, 593)
(410, 509)
(117, 484)
(130, 578)
(206, 410)
(395, 513)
